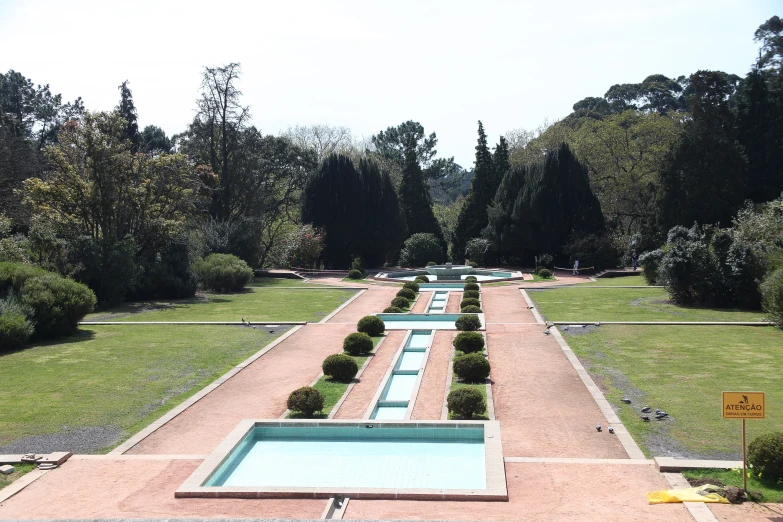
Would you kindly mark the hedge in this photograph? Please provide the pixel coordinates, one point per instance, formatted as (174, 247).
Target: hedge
(407, 293)
(765, 455)
(355, 274)
(470, 294)
(413, 285)
(470, 301)
(306, 400)
(222, 273)
(401, 302)
(340, 367)
(469, 342)
(466, 402)
(472, 286)
(472, 367)
(58, 304)
(372, 325)
(393, 310)
(357, 343)
(468, 323)
(470, 309)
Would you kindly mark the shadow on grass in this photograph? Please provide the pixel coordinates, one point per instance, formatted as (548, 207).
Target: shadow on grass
(79, 335)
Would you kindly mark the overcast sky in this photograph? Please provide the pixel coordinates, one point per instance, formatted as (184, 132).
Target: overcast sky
(368, 64)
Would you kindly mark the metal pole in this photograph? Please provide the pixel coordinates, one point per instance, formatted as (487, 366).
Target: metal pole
(744, 461)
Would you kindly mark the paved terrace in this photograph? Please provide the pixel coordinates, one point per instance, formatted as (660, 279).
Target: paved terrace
(557, 466)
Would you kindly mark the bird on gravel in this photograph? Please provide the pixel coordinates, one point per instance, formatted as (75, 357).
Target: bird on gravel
(546, 332)
(645, 418)
(626, 400)
(598, 427)
(661, 415)
(611, 430)
(646, 409)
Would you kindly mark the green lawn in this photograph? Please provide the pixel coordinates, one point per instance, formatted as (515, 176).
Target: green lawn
(19, 471)
(625, 304)
(253, 304)
(121, 377)
(334, 390)
(682, 370)
(634, 280)
(277, 282)
(733, 477)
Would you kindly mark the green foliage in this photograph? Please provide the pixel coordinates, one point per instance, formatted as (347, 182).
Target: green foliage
(470, 294)
(478, 251)
(413, 285)
(15, 325)
(765, 455)
(13, 276)
(58, 304)
(419, 248)
(469, 342)
(356, 264)
(473, 264)
(466, 402)
(545, 260)
(470, 309)
(472, 286)
(431, 263)
(542, 207)
(415, 199)
(223, 273)
(650, 262)
(340, 367)
(355, 274)
(472, 367)
(305, 400)
(303, 247)
(421, 279)
(371, 325)
(468, 323)
(469, 301)
(407, 293)
(772, 296)
(545, 273)
(471, 279)
(401, 302)
(393, 310)
(358, 343)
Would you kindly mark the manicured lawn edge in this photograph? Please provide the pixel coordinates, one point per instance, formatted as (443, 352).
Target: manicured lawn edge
(733, 477)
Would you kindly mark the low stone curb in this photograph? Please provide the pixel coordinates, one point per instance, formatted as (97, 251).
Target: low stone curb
(671, 464)
(698, 510)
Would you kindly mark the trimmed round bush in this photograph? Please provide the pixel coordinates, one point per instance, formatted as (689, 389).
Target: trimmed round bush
(431, 263)
(545, 273)
(306, 400)
(15, 327)
(222, 273)
(470, 294)
(58, 304)
(357, 343)
(469, 301)
(421, 279)
(471, 279)
(401, 302)
(469, 342)
(472, 367)
(355, 274)
(392, 310)
(472, 286)
(765, 454)
(419, 249)
(466, 402)
(372, 325)
(407, 293)
(473, 264)
(468, 323)
(14, 275)
(470, 309)
(539, 268)
(340, 367)
(413, 285)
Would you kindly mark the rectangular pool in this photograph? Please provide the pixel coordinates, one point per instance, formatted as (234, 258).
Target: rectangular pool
(436, 321)
(370, 459)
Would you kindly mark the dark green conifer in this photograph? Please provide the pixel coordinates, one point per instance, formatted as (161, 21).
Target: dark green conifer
(415, 199)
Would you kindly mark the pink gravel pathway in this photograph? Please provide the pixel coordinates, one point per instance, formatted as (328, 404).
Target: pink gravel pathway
(372, 301)
(432, 392)
(360, 396)
(551, 492)
(505, 304)
(543, 407)
(452, 305)
(259, 391)
(420, 306)
(110, 488)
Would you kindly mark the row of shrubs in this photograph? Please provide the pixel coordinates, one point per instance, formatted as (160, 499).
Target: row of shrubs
(38, 304)
(339, 367)
(471, 303)
(406, 295)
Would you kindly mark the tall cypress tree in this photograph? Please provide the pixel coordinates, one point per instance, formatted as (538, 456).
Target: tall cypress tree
(127, 110)
(383, 225)
(486, 178)
(415, 199)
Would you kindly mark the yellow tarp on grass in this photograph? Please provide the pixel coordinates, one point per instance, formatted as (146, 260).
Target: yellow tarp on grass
(705, 493)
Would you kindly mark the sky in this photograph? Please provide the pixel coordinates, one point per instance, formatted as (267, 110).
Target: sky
(368, 65)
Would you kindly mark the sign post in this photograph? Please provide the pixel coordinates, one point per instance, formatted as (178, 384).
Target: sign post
(744, 405)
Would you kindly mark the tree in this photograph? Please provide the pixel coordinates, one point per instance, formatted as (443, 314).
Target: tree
(770, 34)
(384, 224)
(415, 200)
(703, 178)
(154, 141)
(473, 215)
(324, 140)
(539, 208)
(127, 109)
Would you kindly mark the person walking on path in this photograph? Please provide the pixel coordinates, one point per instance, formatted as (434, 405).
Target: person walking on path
(576, 267)
(635, 259)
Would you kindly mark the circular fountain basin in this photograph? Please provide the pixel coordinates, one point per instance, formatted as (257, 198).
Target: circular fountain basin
(449, 272)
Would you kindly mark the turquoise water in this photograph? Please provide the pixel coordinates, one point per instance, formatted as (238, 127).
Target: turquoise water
(410, 361)
(398, 390)
(486, 276)
(441, 286)
(349, 456)
(438, 303)
(436, 321)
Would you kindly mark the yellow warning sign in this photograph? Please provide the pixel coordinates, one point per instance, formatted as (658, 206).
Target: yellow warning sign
(743, 405)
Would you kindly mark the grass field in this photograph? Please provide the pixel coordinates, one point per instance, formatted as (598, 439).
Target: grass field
(252, 304)
(625, 304)
(733, 477)
(334, 390)
(277, 282)
(19, 471)
(635, 280)
(121, 377)
(682, 370)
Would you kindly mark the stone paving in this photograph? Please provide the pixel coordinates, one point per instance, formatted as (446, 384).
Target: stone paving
(372, 301)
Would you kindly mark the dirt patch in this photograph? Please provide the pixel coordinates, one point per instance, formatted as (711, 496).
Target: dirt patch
(76, 440)
(704, 481)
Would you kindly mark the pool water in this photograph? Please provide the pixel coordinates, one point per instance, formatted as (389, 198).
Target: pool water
(451, 457)
(431, 321)
(398, 390)
(491, 276)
